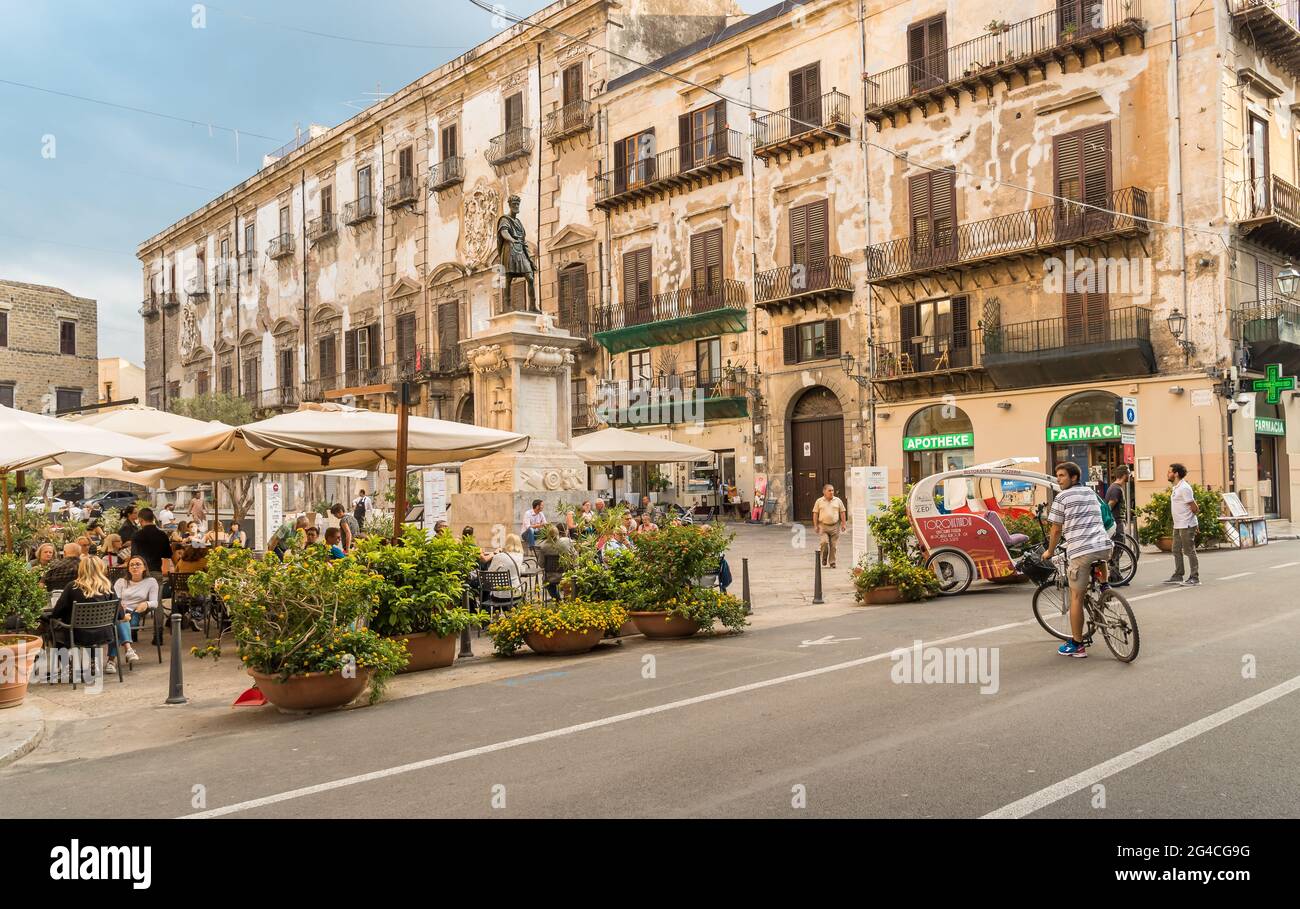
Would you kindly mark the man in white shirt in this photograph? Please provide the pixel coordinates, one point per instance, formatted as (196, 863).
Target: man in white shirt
(1076, 516)
(534, 520)
(167, 517)
(829, 517)
(1182, 503)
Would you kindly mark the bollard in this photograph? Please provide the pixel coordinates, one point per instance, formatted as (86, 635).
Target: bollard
(176, 688)
(744, 586)
(817, 579)
(466, 649)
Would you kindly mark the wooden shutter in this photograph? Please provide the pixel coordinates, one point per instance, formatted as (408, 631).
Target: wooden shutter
(449, 143)
(818, 220)
(790, 344)
(572, 84)
(406, 337)
(833, 338)
(907, 331)
(325, 357)
(1075, 17)
(805, 98)
(960, 324)
(943, 213)
(927, 46)
(620, 165)
(918, 200)
(706, 269)
(448, 326)
(350, 354)
(1263, 280)
(636, 286)
(514, 111)
(1082, 169)
(375, 358)
(799, 235)
(405, 163)
(685, 149)
(573, 294)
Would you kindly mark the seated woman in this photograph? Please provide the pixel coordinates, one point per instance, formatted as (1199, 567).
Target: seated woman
(95, 532)
(86, 545)
(91, 586)
(237, 536)
(193, 558)
(646, 524)
(111, 550)
(44, 555)
(215, 537)
(510, 559)
(138, 593)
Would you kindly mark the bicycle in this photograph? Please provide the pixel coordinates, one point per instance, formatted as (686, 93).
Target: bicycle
(1104, 608)
(1123, 556)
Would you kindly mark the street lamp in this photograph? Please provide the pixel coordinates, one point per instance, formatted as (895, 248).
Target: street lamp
(1177, 323)
(846, 363)
(1288, 280)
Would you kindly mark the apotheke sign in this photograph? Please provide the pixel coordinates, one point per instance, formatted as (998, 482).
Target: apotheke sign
(939, 443)
(1093, 432)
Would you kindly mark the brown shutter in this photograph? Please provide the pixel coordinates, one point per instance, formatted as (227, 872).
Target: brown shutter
(1073, 312)
(818, 219)
(832, 338)
(1263, 280)
(572, 84)
(375, 358)
(449, 141)
(514, 111)
(629, 283)
(620, 165)
(406, 163)
(1096, 176)
(918, 200)
(406, 337)
(943, 212)
(799, 235)
(790, 344)
(564, 291)
(643, 278)
(960, 323)
(684, 149)
(805, 98)
(907, 330)
(916, 56)
(720, 129)
(350, 352)
(325, 359)
(936, 41)
(797, 96)
(448, 326)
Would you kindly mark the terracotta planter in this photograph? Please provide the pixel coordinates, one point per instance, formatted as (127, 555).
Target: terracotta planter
(886, 595)
(16, 662)
(663, 625)
(1165, 544)
(311, 690)
(628, 627)
(428, 650)
(563, 643)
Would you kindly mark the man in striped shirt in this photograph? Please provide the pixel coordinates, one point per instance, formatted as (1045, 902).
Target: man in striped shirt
(1076, 511)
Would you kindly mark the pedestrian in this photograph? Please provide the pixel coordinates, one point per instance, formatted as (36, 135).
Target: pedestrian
(130, 524)
(361, 506)
(1116, 495)
(533, 521)
(198, 513)
(829, 518)
(1076, 512)
(152, 545)
(348, 526)
(1185, 513)
(167, 516)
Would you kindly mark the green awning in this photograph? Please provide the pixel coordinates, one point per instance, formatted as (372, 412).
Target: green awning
(673, 331)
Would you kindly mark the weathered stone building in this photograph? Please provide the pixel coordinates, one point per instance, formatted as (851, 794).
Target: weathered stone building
(49, 343)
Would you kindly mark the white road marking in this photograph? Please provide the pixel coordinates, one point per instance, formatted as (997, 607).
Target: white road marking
(1233, 577)
(1283, 565)
(827, 639)
(571, 730)
(1044, 797)
(1158, 593)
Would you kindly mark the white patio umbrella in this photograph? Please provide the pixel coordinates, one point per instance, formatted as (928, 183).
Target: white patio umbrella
(620, 446)
(145, 422)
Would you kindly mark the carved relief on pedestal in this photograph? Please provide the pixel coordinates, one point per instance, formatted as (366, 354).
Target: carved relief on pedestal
(543, 358)
(486, 360)
(189, 330)
(482, 207)
(549, 479)
(490, 481)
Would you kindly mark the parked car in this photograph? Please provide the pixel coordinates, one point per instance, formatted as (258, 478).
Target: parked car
(109, 498)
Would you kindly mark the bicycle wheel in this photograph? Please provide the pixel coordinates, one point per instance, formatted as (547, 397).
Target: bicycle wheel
(1123, 564)
(1052, 609)
(1114, 617)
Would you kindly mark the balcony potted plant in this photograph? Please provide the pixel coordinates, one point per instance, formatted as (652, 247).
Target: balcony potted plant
(663, 599)
(299, 625)
(421, 593)
(22, 599)
(560, 628)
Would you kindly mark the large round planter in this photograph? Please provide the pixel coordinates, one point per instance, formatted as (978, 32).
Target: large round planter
(563, 643)
(663, 625)
(428, 650)
(311, 690)
(628, 627)
(1165, 544)
(16, 662)
(886, 595)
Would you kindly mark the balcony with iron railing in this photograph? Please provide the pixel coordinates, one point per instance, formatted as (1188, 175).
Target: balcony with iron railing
(804, 284)
(149, 308)
(322, 228)
(1269, 329)
(359, 210)
(280, 247)
(1008, 52)
(716, 154)
(570, 120)
(428, 363)
(688, 397)
(169, 299)
(400, 192)
(668, 318)
(446, 173)
(196, 286)
(1036, 231)
(1267, 210)
(512, 144)
(281, 397)
(1273, 26)
(802, 126)
(575, 316)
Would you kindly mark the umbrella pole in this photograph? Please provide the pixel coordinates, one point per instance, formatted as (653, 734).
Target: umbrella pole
(403, 415)
(9, 537)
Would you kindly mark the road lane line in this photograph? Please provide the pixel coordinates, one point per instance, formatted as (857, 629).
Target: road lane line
(572, 730)
(1044, 797)
(1233, 577)
(1283, 565)
(1158, 593)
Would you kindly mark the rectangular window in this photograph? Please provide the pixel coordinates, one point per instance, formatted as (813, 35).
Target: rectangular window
(227, 379)
(927, 53)
(702, 135)
(514, 111)
(1082, 169)
(284, 221)
(363, 348)
(638, 368)
(448, 328)
(571, 85)
(252, 375)
(1257, 165)
(4, 329)
(67, 400)
(638, 305)
(708, 361)
(201, 383)
(406, 339)
(805, 98)
(364, 186)
(578, 401)
(934, 335)
(406, 164)
(706, 270)
(7, 395)
(634, 160)
(449, 141)
(288, 377)
(810, 341)
(809, 246)
(326, 360)
(327, 202)
(68, 338)
(932, 206)
(250, 236)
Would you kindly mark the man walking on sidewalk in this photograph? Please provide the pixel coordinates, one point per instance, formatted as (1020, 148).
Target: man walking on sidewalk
(1182, 502)
(829, 516)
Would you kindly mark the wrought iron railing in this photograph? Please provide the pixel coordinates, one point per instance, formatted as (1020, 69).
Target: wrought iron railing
(575, 316)
(1130, 323)
(399, 192)
(447, 172)
(169, 299)
(279, 396)
(788, 281)
(1263, 197)
(687, 301)
(722, 382)
(574, 117)
(1005, 44)
(362, 209)
(280, 246)
(1286, 10)
(322, 228)
(927, 354)
(712, 148)
(830, 111)
(1051, 226)
(514, 143)
(197, 285)
(149, 308)
(1258, 320)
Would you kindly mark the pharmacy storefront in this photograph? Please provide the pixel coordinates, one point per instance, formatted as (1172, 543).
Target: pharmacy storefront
(937, 438)
(1085, 428)
(1271, 471)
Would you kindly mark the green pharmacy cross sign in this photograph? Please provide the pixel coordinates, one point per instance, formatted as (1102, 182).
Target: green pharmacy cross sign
(1275, 384)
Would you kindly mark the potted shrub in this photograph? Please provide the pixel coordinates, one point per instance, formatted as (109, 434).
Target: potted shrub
(893, 581)
(662, 600)
(600, 581)
(299, 625)
(22, 599)
(421, 593)
(556, 628)
(1156, 522)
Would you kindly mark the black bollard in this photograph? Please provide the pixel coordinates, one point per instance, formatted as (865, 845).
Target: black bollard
(817, 579)
(176, 687)
(466, 649)
(744, 586)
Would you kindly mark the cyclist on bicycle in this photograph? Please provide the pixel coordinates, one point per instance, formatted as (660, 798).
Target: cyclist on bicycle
(1076, 511)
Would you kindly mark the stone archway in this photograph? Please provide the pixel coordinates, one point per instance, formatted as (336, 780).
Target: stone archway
(815, 431)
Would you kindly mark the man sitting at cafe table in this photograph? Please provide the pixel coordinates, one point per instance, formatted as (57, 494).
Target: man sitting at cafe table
(63, 572)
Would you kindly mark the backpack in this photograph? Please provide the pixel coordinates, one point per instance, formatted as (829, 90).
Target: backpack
(1107, 518)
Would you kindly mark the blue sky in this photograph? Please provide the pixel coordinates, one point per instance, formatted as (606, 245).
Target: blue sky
(84, 183)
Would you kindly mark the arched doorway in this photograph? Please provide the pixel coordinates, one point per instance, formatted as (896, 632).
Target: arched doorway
(816, 437)
(1085, 428)
(466, 412)
(937, 438)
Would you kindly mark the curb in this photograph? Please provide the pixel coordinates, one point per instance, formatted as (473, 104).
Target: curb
(21, 730)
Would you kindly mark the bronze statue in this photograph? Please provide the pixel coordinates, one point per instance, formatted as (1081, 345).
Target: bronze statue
(514, 260)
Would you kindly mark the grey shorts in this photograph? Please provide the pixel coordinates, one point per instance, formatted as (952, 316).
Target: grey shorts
(1077, 569)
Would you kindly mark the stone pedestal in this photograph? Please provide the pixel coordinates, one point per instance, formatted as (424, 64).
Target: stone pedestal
(521, 370)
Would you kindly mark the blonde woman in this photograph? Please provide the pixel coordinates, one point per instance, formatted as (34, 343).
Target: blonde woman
(91, 586)
(112, 548)
(509, 559)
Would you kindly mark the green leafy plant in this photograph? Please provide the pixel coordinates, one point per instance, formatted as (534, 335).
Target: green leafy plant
(658, 481)
(914, 582)
(1155, 518)
(306, 613)
(669, 559)
(378, 524)
(892, 531)
(591, 579)
(28, 526)
(111, 520)
(422, 582)
(22, 598)
(511, 628)
(705, 606)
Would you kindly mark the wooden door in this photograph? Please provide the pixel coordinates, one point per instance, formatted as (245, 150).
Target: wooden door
(818, 459)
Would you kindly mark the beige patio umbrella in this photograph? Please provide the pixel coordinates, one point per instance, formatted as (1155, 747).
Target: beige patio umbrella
(620, 446)
(145, 422)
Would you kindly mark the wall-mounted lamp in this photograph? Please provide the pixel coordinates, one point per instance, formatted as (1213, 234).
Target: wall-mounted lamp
(1288, 280)
(1177, 324)
(846, 363)
(1004, 405)
(1176, 390)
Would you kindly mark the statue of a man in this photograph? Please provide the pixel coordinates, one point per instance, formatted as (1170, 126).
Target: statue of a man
(512, 252)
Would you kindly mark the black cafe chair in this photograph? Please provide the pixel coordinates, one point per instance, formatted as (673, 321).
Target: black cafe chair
(96, 616)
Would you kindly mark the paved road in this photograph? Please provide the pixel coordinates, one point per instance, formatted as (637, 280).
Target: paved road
(746, 726)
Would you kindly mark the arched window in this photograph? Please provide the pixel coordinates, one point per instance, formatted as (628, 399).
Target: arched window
(1086, 408)
(936, 439)
(938, 420)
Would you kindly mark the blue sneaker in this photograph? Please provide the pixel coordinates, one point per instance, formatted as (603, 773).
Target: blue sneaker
(1072, 648)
